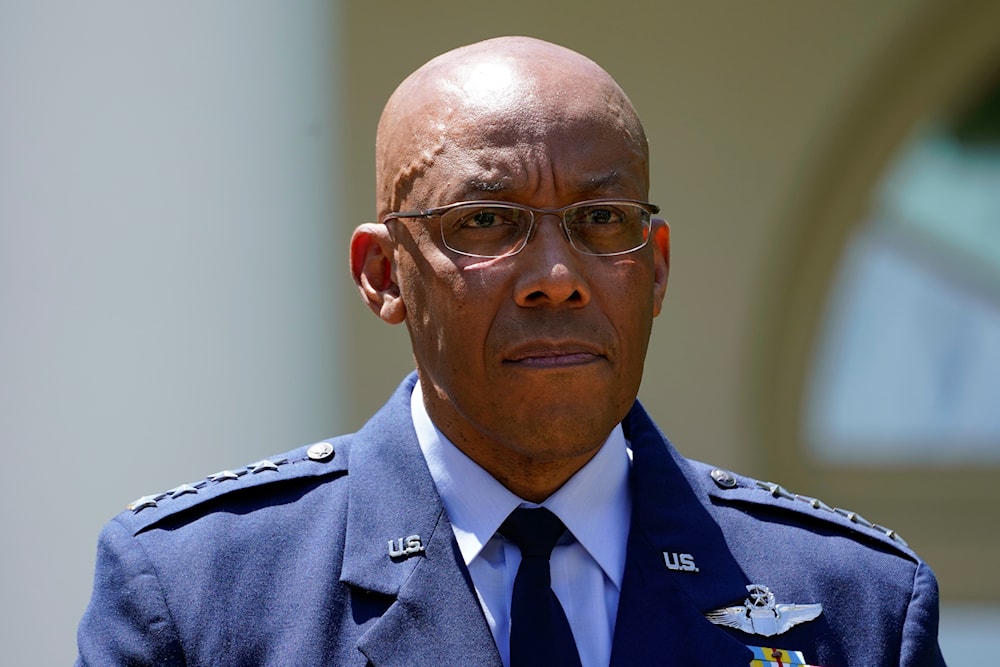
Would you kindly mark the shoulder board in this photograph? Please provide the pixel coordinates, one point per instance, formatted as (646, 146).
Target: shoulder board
(321, 458)
(732, 487)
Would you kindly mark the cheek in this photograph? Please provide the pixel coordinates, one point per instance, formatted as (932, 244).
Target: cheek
(464, 306)
(449, 306)
(629, 307)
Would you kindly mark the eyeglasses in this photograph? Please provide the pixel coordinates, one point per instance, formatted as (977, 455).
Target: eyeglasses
(497, 229)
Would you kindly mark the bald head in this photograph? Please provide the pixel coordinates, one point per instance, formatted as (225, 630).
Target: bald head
(507, 92)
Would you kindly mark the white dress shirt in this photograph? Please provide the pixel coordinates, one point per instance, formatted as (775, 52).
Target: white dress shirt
(587, 566)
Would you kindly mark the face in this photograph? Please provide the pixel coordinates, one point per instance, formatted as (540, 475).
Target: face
(527, 362)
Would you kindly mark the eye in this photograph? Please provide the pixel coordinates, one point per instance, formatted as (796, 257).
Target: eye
(597, 216)
(484, 217)
(601, 216)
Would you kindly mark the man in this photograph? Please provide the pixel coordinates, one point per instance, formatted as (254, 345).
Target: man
(515, 242)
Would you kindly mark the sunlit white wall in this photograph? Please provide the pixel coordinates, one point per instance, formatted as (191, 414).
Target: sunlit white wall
(168, 239)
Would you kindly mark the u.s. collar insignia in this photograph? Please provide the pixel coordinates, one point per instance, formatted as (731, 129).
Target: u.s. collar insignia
(759, 614)
(404, 547)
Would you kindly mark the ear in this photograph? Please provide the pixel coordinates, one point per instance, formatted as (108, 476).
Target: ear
(661, 262)
(374, 273)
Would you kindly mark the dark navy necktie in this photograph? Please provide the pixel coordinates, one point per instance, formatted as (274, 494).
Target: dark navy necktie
(539, 633)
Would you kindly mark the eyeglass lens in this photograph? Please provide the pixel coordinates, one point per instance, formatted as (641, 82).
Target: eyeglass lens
(603, 228)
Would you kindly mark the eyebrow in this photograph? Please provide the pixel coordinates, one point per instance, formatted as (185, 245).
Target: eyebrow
(595, 183)
(600, 182)
(475, 185)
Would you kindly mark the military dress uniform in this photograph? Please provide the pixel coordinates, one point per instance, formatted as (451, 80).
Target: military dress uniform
(341, 553)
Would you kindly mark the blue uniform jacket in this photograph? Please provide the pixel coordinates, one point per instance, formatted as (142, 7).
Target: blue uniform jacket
(342, 554)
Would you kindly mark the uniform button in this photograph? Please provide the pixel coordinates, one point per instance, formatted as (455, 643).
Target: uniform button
(321, 451)
(723, 478)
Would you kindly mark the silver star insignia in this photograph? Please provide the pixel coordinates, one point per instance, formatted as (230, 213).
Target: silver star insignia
(261, 466)
(759, 614)
(141, 504)
(181, 490)
(223, 476)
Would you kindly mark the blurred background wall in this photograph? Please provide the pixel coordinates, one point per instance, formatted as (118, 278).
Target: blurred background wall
(169, 182)
(178, 184)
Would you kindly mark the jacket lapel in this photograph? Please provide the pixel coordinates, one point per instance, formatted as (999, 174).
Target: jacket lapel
(678, 566)
(400, 545)
(433, 616)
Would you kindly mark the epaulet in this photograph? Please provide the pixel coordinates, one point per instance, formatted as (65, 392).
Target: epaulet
(316, 459)
(729, 486)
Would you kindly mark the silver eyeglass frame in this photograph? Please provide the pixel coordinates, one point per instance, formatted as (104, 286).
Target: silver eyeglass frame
(438, 211)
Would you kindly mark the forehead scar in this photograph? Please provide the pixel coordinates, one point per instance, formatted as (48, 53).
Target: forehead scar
(408, 173)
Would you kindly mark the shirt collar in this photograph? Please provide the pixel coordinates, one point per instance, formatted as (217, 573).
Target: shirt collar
(595, 504)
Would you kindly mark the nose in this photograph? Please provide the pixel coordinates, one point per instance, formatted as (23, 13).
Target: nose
(550, 271)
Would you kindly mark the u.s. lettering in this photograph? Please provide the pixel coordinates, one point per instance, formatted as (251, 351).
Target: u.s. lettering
(679, 562)
(405, 546)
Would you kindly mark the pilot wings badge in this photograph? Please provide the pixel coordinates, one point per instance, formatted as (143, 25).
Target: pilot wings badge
(759, 614)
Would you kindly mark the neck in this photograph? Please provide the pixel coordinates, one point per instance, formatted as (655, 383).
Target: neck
(533, 461)
(532, 480)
